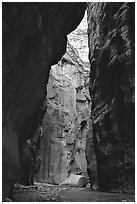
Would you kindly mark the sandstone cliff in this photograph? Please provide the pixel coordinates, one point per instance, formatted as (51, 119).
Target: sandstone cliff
(66, 121)
(111, 32)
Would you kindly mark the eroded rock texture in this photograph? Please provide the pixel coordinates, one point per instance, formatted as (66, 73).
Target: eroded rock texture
(34, 38)
(66, 121)
(111, 43)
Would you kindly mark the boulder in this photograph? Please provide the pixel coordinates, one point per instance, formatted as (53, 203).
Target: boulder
(75, 180)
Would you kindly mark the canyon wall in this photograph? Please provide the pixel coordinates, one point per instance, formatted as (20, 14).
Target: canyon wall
(34, 38)
(111, 30)
(66, 122)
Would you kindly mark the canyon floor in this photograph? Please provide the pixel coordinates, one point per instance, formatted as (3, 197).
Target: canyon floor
(42, 192)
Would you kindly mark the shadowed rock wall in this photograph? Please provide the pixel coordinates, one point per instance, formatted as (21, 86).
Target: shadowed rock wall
(34, 38)
(66, 122)
(111, 31)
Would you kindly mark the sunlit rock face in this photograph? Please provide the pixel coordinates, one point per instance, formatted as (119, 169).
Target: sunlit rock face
(34, 38)
(79, 40)
(66, 121)
(111, 32)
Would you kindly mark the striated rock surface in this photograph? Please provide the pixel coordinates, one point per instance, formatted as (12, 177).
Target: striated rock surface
(66, 121)
(111, 31)
(34, 38)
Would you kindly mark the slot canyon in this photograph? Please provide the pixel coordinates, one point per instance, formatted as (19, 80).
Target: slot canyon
(68, 101)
